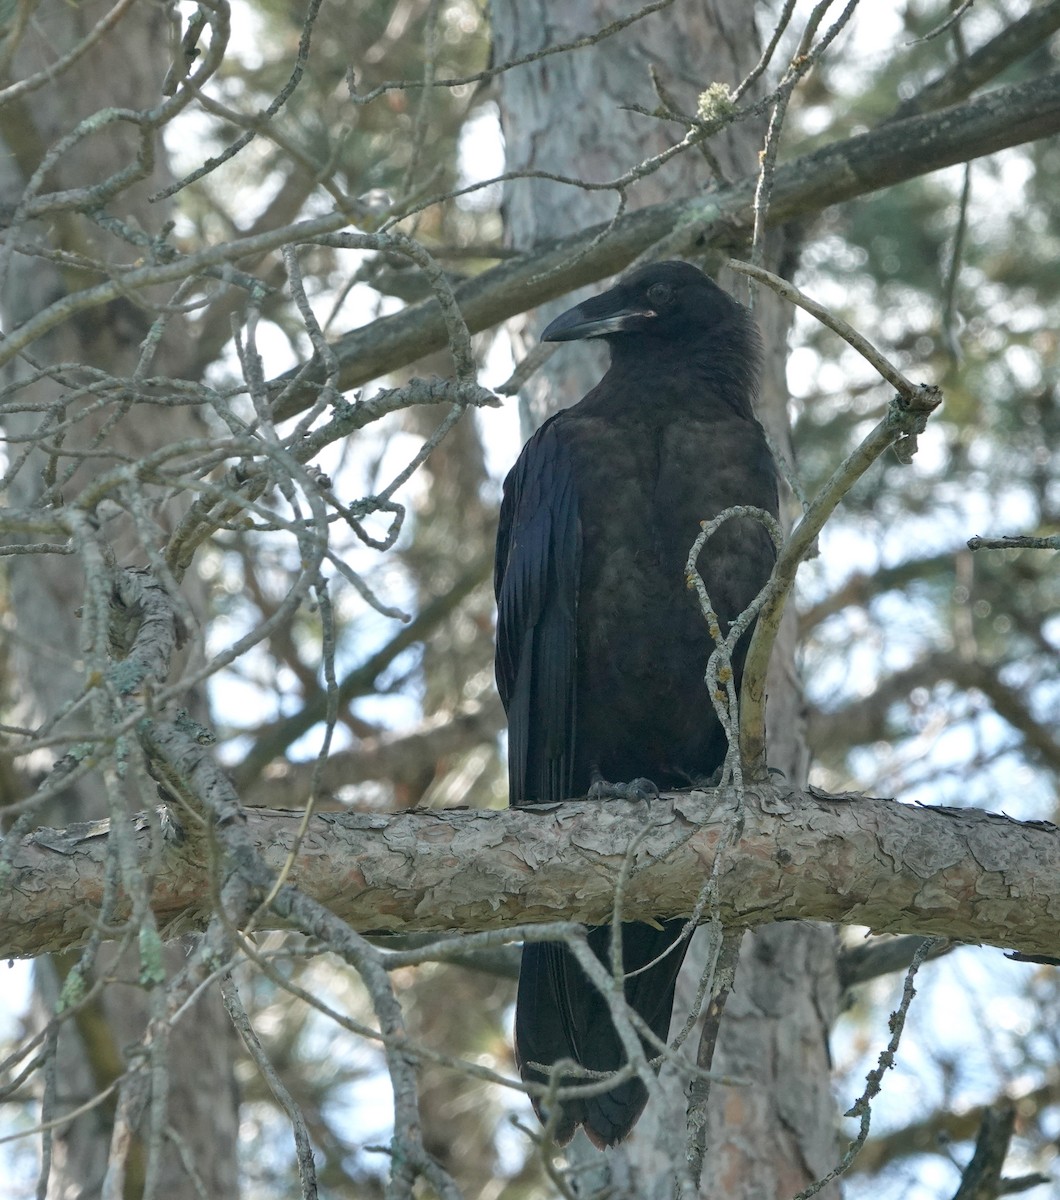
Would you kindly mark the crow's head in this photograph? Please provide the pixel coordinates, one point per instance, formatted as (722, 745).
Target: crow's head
(672, 301)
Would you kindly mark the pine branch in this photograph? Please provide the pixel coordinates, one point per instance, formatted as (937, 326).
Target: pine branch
(962, 874)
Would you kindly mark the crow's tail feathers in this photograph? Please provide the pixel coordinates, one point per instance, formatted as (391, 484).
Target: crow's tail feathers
(560, 1014)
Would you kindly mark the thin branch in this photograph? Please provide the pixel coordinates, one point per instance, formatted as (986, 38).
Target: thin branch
(719, 675)
(51, 73)
(767, 54)
(948, 23)
(263, 118)
(274, 740)
(397, 759)
(171, 272)
(579, 43)
(863, 720)
(906, 418)
(801, 62)
(860, 588)
(948, 319)
(1015, 541)
(862, 1108)
(946, 1126)
(1014, 42)
(848, 333)
(303, 1148)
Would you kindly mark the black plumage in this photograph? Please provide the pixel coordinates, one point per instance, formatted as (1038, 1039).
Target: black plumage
(601, 647)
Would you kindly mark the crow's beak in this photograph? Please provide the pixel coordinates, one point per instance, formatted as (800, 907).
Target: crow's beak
(594, 318)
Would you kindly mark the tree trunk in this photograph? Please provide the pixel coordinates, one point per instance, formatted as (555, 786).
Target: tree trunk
(125, 68)
(565, 114)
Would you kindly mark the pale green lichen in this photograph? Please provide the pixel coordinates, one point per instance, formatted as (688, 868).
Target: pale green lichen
(715, 103)
(73, 990)
(152, 969)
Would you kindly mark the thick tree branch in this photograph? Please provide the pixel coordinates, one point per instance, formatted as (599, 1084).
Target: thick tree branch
(943, 1127)
(884, 956)
(966, 875)
(982, 1177)
(893, 153)
(864, 720)
(397, 758)
(984, 63)
(862, 587)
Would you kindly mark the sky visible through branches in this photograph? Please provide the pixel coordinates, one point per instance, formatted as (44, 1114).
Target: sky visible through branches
(928, 766)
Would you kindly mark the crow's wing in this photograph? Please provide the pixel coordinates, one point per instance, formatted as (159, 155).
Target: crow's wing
(536, 581)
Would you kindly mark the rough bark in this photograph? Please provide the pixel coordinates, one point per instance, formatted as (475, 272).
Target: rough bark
(958, 873)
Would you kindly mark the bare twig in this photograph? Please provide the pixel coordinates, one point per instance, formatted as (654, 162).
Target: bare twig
(303, 1148)
(949, 22)
(580, 43)
(847, 332)
(862, 1107)
(905, 419)
(54, 70)
(1015, 541)
(720, 679)
(948, 318)
(802, 60)
(263, 118)
(767, 54)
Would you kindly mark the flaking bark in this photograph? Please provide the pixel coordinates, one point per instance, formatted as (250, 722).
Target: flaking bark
(962, 874)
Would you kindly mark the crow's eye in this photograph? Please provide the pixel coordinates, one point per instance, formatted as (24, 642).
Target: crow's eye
(660, 295)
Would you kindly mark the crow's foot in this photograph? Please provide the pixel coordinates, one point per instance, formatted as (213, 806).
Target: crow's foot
(709, 781)
(636, 789)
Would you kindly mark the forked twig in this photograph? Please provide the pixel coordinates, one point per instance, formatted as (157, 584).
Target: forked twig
(906, 417)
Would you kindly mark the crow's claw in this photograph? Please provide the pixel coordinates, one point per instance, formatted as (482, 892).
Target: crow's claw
(712, 780)
(636, 789)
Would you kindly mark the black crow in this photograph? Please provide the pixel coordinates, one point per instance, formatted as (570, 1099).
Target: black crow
(601, 646)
